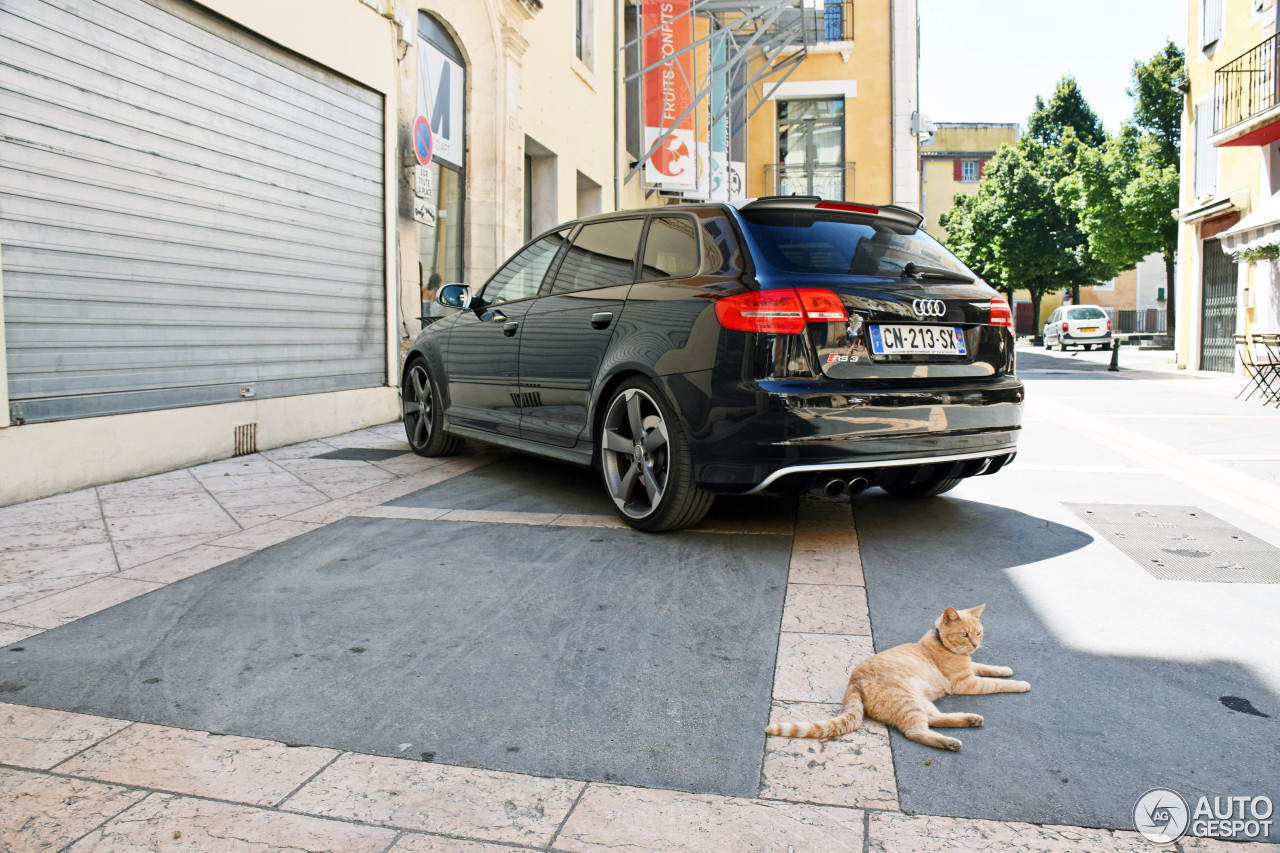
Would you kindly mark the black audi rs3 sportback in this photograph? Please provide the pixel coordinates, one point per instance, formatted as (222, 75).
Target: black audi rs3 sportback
(776, 345)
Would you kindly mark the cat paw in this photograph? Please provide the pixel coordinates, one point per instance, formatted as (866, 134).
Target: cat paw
(974, 721)
(1019, 687)
(951, 744)
(1004, 671)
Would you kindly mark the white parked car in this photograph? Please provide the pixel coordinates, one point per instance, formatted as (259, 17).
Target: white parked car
(1078, 325)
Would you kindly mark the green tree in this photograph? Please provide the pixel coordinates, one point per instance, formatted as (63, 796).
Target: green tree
(1157, 110)
(1124, 193)
(1066, 108)
(1012, 231)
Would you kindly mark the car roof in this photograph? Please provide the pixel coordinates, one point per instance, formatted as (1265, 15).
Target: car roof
(899, 214)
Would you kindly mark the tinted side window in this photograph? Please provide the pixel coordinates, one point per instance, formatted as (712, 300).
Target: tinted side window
(671, 249)
(602, 254)
(523, 274)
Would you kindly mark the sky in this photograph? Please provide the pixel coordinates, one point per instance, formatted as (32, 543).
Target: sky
(986, 60)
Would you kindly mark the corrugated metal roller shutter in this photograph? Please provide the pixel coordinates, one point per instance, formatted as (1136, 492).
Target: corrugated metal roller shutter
(185, 210)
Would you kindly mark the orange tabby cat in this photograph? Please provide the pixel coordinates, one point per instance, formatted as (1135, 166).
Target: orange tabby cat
(898, 686)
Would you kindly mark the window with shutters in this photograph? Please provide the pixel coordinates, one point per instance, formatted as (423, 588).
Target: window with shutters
(1210, 22)
(968, 171)
(1206, 178)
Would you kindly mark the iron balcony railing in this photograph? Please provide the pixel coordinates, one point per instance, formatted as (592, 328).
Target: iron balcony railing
(832, 21)
(1246, 86)
(835, 181)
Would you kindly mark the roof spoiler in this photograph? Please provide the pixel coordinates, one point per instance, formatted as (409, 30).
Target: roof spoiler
(812, 202)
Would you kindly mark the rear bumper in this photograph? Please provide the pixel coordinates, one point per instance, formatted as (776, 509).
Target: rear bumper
(1099, 338)
(810, 428)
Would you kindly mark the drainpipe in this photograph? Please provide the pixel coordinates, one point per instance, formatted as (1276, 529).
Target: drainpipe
(618, 70)
(893, 104)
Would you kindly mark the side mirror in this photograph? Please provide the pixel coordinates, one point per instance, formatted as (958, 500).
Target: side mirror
(454, 296)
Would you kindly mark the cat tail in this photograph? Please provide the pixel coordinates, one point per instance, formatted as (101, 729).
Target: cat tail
(834, 727)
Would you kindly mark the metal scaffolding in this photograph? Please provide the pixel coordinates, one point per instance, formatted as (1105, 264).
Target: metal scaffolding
(766, 41)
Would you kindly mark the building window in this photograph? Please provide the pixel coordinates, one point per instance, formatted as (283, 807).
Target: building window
(584, 30)
(837, 20)
(968, 171)
(1206, 154)
(1210, 22)
(811, 148)
(439, 188)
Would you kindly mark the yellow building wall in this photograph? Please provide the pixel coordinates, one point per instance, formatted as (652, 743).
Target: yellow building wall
(938, 183)
(568, 105)
(1241, 176)
(868, 115)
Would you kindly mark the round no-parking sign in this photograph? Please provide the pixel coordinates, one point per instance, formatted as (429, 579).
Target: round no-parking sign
(422, 140)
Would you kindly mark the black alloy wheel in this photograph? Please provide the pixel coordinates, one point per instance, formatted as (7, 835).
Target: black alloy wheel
(646, 463)
(422, 417)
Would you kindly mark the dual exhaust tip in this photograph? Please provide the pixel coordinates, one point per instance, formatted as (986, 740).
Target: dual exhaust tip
(837, 487)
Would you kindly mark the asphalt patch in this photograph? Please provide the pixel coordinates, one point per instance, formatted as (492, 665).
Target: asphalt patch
(595, 654)
(1095, 732)
(361, 454)
(518, 483)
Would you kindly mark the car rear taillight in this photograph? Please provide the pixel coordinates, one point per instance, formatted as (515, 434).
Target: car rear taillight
(1001, 315)
(1108, 324)
(821, 306)
(782, 311)
(1064, 326)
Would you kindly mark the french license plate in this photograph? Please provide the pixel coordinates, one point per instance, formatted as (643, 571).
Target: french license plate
(916, 340)
(1090, 330)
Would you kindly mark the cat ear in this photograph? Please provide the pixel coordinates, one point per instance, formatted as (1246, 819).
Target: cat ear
(950, 616)
(977, 611)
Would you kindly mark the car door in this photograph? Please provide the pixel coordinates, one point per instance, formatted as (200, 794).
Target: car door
(567, 330)
(482, 358)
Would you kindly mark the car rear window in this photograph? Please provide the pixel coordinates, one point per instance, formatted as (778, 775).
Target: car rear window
(671, 249)
(830, 243)
(1087, 312)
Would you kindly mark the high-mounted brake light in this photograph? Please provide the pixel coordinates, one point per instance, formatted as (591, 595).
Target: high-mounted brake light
(851, 208)
(1001, 315)
(782, 311)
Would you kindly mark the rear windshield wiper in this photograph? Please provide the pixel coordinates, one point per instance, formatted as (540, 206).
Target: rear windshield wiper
(921, 271)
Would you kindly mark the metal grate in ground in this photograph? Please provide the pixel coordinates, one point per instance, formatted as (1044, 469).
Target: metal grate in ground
(1183, 543)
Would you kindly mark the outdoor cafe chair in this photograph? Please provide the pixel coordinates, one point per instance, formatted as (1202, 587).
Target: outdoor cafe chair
(1260, 355)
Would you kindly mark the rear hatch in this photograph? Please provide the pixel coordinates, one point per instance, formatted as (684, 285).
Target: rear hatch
(911, 309)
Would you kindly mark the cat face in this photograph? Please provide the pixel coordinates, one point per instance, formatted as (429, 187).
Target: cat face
(961, 630)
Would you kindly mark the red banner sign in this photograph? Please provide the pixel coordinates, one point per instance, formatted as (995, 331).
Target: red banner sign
(668, 93)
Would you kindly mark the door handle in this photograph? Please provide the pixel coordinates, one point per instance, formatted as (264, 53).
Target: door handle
(601, 319)
(510, 329)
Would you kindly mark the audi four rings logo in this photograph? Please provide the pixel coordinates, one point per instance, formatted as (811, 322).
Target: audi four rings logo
(929, 307)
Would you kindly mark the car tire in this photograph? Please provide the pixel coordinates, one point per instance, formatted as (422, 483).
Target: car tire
(646, 463)
(423, 416)
(1088, 347)
(924, 489)
(1061, 346)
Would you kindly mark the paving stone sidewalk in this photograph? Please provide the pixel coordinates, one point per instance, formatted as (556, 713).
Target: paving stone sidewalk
(81, 783)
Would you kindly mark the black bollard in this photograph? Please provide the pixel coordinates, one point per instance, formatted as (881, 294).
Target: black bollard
(1115, 354)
